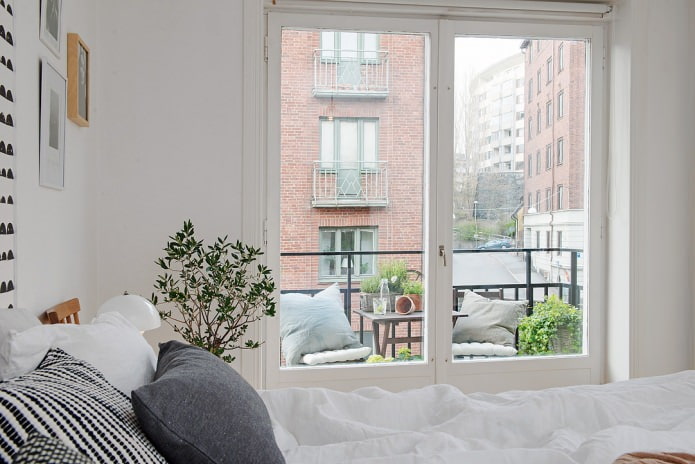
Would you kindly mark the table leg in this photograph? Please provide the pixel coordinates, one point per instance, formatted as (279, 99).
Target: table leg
(375, 335)
(361, 329)
(384, 342)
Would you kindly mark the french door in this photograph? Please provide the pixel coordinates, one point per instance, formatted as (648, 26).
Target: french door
(431, 161)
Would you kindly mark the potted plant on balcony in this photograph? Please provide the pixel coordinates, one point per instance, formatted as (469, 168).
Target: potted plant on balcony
(414, 289)
(395, 272)
(555, 327)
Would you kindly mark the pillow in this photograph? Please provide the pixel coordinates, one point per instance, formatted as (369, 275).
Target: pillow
(491, 321)
(199, 409)
(40, 449)
(312, 324)
(481, 349)
(331, 356)
(15, 320)
(110, 343)
(67, 399)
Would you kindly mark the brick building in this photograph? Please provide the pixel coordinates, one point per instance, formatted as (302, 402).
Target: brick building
(555, 73)
(352, 153)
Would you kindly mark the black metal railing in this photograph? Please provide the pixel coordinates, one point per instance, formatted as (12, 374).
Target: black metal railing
(572, 289)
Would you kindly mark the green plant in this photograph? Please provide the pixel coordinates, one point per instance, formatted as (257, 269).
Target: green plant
(413, 287)
(555, 327)
(370, 284)
(216, 289)
(403, 354)
(395, 272)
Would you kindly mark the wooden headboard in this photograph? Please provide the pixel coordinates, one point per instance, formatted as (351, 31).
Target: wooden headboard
(66, 312)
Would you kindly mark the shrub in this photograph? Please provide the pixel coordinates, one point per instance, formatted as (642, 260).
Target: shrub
(413, 287)
(555, 327)
(396, 272)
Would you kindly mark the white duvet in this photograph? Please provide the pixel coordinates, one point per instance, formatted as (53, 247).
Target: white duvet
(439, 424)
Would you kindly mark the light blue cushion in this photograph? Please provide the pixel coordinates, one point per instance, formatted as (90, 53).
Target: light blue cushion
(312, 324)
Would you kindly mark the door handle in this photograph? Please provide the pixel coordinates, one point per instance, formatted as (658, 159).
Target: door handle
(442, 253)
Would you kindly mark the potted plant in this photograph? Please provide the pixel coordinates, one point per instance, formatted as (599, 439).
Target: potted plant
(555, 327)
(396, 274)
(414, 289)
(217, 291)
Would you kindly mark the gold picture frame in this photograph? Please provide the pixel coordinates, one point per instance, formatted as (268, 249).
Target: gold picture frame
(78, 80)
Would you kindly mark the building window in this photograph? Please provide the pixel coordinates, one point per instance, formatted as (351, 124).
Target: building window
(530, 53)
(549, 114)
(538, 200)
(548, 156)
(559, 242)
(560, 150)
(346, 141)
(530, 201)
(560, 104)
(538, 239)
(549, 67)
(538, 45)
(349, 46)
(520, 132)
(539, 82)
(548, 200)
(530, 167)
(538, 162)
(560, 58)
(547, 240)
(530, 90)
(530, 128)
(347, 239)
(539, 122)
(560, 196)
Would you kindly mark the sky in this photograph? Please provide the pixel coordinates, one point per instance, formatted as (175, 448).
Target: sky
(475, 54)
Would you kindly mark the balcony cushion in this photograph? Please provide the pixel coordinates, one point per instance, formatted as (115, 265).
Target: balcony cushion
(313, 324)
(488, 321)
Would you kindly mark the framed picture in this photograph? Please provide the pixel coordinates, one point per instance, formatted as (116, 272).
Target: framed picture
(78, 80)
(51, 25)
(52, 128)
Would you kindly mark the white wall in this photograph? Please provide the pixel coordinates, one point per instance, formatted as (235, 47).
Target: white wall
(170, 144)
(650, 309)
(56, 252)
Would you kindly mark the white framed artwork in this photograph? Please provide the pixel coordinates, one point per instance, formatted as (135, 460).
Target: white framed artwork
(50, 28)
(52, 128)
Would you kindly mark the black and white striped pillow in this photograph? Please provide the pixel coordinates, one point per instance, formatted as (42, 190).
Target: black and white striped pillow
(70, 400)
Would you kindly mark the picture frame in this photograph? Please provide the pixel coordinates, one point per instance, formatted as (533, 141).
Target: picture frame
(78, 80)
(52, 128)
(51, 25)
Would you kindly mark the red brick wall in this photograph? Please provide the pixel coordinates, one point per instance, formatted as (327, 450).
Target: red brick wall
(571, 128)
(401, 144)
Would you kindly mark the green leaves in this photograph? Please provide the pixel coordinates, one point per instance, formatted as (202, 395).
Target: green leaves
(555, 327)
(216, 290)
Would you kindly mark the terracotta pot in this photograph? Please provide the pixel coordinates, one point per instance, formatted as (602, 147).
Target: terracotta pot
(417, 301)
(404, 305)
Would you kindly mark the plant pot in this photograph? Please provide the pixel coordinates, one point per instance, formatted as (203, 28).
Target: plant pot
(417, 301)
(367, 301)
(404, 305)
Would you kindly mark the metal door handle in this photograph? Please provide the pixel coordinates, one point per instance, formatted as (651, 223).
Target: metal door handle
(442, 254)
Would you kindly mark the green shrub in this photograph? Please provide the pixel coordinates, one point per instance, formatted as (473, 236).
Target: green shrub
(395, 272)
(555, 327)
(370, 284)
(413, 287)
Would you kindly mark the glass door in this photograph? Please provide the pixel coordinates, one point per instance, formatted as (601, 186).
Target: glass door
(524, 152)
(349, 124)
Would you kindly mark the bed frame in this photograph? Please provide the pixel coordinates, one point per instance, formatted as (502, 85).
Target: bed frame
(66, 312)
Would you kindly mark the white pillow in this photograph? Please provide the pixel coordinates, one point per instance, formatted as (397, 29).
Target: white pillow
(15, 320)
(110, 343)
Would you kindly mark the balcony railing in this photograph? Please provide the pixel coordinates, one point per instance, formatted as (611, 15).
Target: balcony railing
(528, 290)
(349, 184)
(351, 73)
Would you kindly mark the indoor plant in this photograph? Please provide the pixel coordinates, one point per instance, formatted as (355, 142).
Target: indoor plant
(217, 291)
(555, 327)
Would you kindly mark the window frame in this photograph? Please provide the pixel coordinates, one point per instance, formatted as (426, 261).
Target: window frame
(364, 165)
(357, 261)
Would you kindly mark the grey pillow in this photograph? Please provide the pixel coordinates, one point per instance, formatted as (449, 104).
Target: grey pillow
(491, 321)
(200, 410)
(312, 324)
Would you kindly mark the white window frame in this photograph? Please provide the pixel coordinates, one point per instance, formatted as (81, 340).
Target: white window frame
(357, 260)
(488, 375)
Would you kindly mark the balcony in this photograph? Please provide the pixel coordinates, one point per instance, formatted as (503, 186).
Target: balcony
(349, 184)
(351, 73)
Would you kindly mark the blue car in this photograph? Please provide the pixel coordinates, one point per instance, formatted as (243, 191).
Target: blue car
(497, 243)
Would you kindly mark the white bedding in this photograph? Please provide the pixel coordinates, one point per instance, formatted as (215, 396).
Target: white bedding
(439, 424)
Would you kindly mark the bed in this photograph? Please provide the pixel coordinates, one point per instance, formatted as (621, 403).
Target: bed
(95, 393)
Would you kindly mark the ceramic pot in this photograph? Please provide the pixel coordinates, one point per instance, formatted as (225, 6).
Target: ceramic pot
(404, 305)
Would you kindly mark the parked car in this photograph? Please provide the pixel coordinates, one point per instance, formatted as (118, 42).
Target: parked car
(497, 243)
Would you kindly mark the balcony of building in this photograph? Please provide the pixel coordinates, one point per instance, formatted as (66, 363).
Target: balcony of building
(349, 184)
(351, 73)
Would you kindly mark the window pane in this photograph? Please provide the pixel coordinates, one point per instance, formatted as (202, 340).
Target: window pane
(327, 144)
(370, 45)
(369, 144)
(328, 45)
